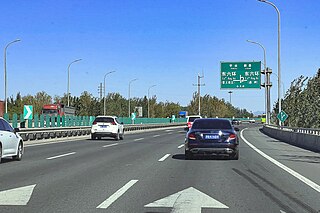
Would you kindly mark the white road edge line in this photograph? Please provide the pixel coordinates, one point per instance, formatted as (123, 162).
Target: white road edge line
(59, 156)
(138, 139)
(105, 204)
(155, 136)
(182, 145)
(164, 157)
(113, 144)
(285, 168)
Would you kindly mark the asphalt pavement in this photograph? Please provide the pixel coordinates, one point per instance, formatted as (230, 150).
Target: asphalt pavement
(147, 172)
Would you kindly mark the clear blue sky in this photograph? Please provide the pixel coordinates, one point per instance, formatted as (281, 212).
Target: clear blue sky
(162, 42)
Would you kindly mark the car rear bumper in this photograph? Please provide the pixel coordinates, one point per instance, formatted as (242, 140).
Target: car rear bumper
(104, 134)
(226, 151)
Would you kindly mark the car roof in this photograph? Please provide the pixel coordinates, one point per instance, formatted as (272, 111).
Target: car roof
(213, 119)
(106, 116)
(198, 116)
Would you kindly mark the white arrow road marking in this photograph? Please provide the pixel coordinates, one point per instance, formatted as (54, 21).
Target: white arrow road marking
(16, 197)
(29, 112)
(170, 133)
(113, 144)
(282, 211)
(59, 156)
(280, 165)
(164, 157)
(182, 145)
(187, 200)
(156, 136)
(138, 139)
(105, 204)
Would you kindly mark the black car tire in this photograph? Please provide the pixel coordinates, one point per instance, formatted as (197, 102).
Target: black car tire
(18, 157)
(117, 137)
(93, 136)
(122, 136)
(235, 156)
(0, 152)
(188, 155)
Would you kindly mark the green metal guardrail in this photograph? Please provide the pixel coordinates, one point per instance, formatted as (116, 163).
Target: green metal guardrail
(73, 121)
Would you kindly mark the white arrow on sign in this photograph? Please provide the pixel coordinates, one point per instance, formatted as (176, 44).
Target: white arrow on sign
(16, 197)
(29, 113)
(187, 200)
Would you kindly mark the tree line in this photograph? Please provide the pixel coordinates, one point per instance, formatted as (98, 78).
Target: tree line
(302, 103)
(116, 104)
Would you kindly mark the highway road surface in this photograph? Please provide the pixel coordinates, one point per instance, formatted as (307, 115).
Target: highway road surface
(147, 172)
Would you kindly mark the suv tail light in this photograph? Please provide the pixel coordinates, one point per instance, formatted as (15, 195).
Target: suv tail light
(94, 123)
(189, 125)
(113, 123)
(192, 136)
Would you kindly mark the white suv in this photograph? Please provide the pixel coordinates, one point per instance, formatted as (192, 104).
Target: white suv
(107, 126)
(190, 120)
(11, 144)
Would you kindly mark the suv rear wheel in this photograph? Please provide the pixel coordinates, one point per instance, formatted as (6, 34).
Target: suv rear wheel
(117, 137)
(188, 155)
(93, 136)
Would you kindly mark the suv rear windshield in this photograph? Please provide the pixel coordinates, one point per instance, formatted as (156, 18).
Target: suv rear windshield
(191, 119)
(211, 124)
(104, 120)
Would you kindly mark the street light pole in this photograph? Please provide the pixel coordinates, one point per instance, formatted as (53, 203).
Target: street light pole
(198, 85)
(5, 73)
(279, 67)
(148, 98)
(266, 86)
(230, 92)
(129, 95)
(104, 93)
(68, 92)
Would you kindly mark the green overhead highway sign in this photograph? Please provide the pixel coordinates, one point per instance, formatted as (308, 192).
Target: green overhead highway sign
(27, 111)
(282, 116)
(240, 75)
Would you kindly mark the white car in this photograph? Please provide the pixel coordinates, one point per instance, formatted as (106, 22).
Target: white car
(11, 144)
(107, 126)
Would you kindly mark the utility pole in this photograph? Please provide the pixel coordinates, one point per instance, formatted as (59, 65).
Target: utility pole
(100, 88)
(199, 85)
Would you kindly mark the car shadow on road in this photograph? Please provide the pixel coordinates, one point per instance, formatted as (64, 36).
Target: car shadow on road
(205, 157)
(101, 140)
(7, 160)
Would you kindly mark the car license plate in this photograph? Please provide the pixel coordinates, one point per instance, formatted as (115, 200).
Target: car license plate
(211, 137)
(103, 126)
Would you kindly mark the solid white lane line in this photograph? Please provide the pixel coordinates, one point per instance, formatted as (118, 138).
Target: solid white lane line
(182, 145)
(164, 157)
(113, 144)
(105, 204)
(59, 156)
(285, 168)
(155, 136)
(138, 139)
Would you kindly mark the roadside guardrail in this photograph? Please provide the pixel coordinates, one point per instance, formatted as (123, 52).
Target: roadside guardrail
(64, 132)
(301, 137)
